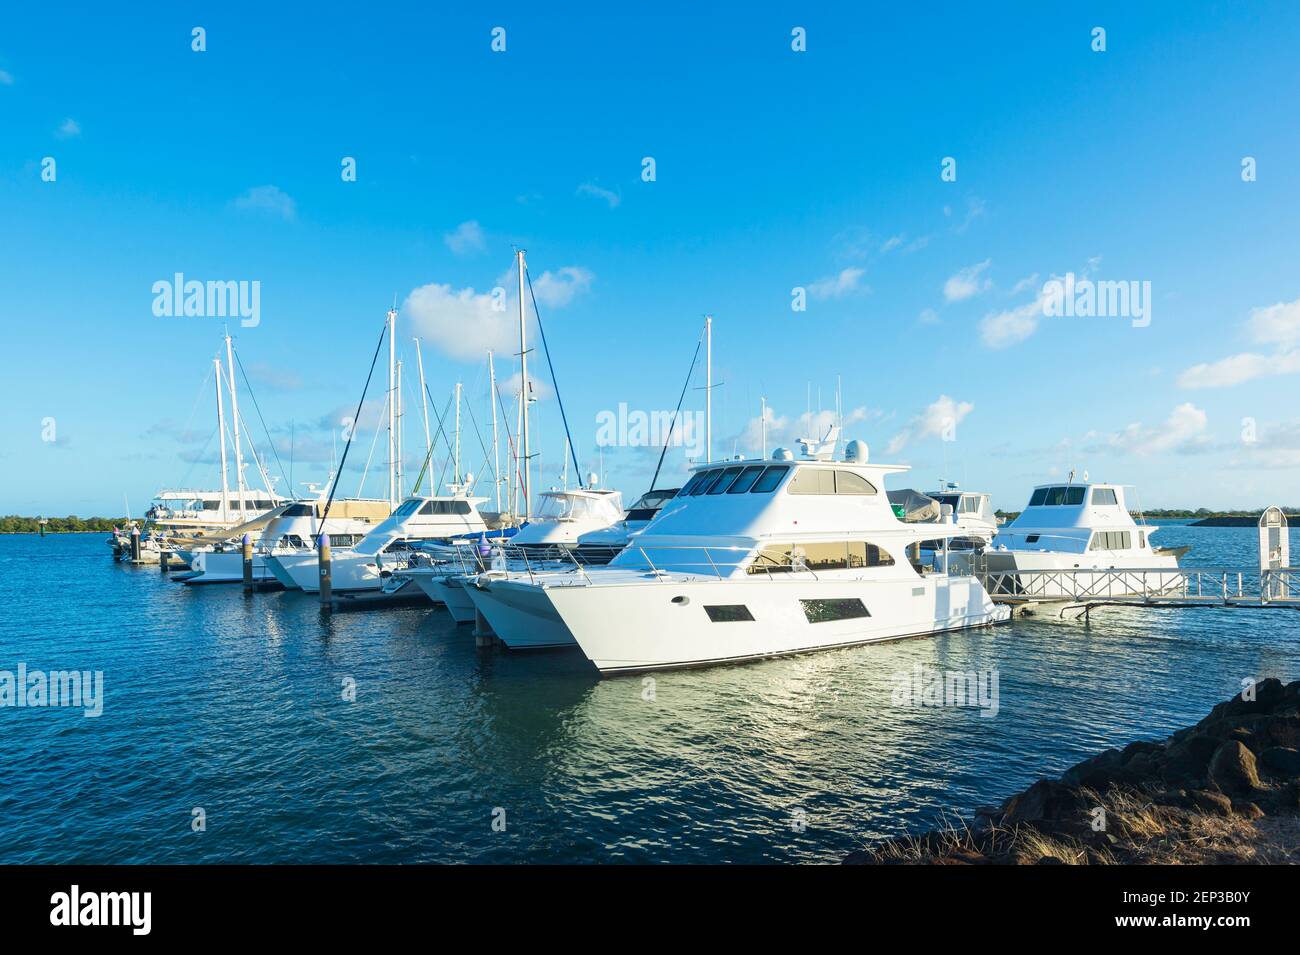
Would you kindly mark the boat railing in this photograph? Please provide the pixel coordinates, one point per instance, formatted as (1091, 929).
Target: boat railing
(1190, 584)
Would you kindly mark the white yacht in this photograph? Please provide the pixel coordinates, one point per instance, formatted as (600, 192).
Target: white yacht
(971, 511)
(292, 529)
(441, 572)
(1080, 527)
(358, 568)
(753, 559)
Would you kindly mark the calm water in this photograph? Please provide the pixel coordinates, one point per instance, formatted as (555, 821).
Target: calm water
(235, 705)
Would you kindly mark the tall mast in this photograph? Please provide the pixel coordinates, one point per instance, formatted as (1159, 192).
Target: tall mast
(392, 413)
(221, 427)
(397, 400)
(523, 393)
(708, 389)
(456, 467)
(763, 420)
(496, 446)
(234, 416)
(424, 403)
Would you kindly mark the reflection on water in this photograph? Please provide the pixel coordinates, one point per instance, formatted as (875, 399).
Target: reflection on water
(237, 705)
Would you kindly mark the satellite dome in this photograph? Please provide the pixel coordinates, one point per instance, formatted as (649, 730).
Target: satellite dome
(782, 454)
(856, 451)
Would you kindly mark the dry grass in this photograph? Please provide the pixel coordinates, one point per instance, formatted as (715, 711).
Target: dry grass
(1144, 833)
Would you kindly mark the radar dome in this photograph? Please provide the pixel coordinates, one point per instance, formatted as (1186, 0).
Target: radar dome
(782, 454)
(856, 451)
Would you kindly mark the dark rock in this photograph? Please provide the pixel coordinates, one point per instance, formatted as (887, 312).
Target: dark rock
(1270, 692)
(1280, 761)
(1143, 766)
(1189, 760)
(1232, 768)
(1216, 804)
(1050, 860)
(1245, 737)
(1138, 748)
(1247, 810)
(1101, 772)
(1044, 800)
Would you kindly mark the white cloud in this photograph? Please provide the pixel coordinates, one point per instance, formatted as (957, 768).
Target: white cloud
(1011, 326)
(68, 129)
(557, 289)
(928, 317)
(591, 189)
(967, 283)
(1028, 282)
(1237, 369)
(464, 323)
(893, 242)
(941, 416)
(836, 286)
(270, 200)
(466, 238)
(1277, 325)
(1183, 430)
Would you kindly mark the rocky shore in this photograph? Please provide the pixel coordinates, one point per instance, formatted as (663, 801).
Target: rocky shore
(1226, 790)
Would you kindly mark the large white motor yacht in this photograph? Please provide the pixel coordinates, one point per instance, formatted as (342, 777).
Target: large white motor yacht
(752, 559)
(1079, 528)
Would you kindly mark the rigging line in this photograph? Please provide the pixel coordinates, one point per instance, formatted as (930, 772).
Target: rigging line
(554, 382)
(265, 429)
(510, 441)
(339, 473)
(447, 461)
(680, 399)
(481, 443)
(373, 441)
(428, 454)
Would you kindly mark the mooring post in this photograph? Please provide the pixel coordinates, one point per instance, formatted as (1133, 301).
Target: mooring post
(246, 546)
(164, 557)
(323, 563)
(483, 633)
(135, 545)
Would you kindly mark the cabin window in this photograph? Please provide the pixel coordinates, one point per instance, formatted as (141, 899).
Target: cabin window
(709, 478)
(1142, 539)
(728, 613)
(847, 482)
(819, 556)
(1039, 497)
(299, 510)
(724, 482)
(691, 485)
(770, 479)
(970, 504)
(1110, 540)
(1104, 495)
(828, 610)
(1031, 539)
(746, 479)
(812, 481)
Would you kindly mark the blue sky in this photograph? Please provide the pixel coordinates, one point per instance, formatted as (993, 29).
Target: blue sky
(775, 170)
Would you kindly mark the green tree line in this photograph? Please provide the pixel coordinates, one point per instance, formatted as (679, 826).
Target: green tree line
(72, 524)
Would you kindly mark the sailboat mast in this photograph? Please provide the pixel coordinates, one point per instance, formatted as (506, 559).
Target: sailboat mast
(397, 400)
(496, 444)
(234, 415)
(708, 389)
(392, 414)
(424, 401)
(763, 421)
(221, 427)
(523, 393)
(456, 467)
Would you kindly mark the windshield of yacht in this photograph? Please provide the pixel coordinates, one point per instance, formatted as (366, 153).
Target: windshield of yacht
(1070, 495)
(385, 531)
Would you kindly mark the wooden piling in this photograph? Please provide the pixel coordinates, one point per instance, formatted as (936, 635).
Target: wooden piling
(323, 560)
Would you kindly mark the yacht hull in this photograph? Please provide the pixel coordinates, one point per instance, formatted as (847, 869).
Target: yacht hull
(448, 591)
(660, 625)
(209, 567)
(348, 572)
(521, 614)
